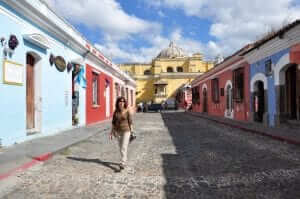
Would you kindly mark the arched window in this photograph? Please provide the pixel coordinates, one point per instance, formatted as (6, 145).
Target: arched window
(170, 70)
(147, 72)
(179, 69)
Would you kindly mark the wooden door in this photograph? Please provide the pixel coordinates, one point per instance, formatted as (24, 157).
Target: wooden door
(298, 90)
(30, 116)
(259, 101)
(291, 92)
(204, 101)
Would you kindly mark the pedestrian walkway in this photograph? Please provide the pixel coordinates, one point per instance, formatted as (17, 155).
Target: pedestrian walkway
(285, 133)
(22, 156)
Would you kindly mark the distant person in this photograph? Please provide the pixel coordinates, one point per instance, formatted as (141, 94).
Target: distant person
(141, 107)
(121, 128)
(163, 105)
(146, 106)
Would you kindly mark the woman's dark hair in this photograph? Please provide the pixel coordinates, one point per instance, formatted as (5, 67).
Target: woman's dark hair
(117, 108)
(117, 104)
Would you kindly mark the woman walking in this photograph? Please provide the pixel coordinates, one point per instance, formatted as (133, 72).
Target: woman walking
(121, 128)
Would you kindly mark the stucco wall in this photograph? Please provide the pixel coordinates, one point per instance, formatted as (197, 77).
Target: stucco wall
(97, 113)
(258, 67)
(54, 101)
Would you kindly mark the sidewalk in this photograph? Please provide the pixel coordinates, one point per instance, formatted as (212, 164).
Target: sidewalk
(25, 155)
(284, 133)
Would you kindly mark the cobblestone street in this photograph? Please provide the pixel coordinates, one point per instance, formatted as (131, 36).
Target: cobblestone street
(175, 155)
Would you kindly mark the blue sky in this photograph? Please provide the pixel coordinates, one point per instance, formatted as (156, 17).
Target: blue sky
(137, 30)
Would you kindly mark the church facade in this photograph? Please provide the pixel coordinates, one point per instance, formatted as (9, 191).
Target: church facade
(159, 80)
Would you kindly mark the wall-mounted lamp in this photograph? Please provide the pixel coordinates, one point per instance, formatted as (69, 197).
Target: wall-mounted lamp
(3, 41)
(13, 42)
(10, 46)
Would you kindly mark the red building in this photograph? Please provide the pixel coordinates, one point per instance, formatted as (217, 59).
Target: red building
(104, 83)
(184, 97)
(99, 95)
(224, 90)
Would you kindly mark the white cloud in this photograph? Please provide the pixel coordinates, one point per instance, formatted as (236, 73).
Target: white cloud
(236, 23)
(107, 15)
(125, 53)
(158, 43)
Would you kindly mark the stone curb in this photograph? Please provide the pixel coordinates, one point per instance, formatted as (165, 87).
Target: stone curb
(266, 134)
(47, 156)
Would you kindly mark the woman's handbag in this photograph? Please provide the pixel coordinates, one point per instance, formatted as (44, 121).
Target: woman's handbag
(132, 136)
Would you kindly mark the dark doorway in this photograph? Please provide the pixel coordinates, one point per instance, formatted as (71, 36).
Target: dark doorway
(75, 94)
(259, 101)
(204, 100)
(291, 92)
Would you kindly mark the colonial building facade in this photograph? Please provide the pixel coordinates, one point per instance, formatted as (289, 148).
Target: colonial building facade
(223, 91)
(275, 77)
(46, 75)
(259, 83)
(172, 68)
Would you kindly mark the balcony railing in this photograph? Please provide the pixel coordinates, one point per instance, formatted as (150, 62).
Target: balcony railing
(160, 95)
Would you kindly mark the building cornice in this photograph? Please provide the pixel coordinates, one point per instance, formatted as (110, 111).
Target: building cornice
(229, 64)
(276, 44)
(168, 76)
(39, 13)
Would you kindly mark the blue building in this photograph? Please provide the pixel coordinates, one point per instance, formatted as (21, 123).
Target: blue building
(44, 65)
(275, 77)
(41, 57)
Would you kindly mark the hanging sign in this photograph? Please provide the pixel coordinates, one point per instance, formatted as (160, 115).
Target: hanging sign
(51, 59)
(13, 73)
(60, 63)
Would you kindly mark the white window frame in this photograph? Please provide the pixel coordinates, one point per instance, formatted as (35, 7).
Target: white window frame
(95, 89)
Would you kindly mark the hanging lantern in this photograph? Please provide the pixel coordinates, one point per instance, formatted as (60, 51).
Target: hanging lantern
(13, 42)
(51, 59)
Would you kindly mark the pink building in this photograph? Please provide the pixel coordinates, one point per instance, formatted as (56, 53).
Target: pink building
(224, 90)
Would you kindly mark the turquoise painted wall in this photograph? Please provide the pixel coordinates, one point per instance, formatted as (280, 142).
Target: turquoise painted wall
(56, 88)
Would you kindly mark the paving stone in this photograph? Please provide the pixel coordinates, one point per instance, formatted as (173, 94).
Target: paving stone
(174, 156)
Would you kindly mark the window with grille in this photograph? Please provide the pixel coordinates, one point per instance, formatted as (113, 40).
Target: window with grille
(238, 84)
(95, 88)
(147, 72)
(215, 90)
(170, 70)
(268, 67)
(195, 95)
(179, 69)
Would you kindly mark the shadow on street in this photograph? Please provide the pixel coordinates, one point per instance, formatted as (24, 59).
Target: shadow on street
(213, 162)
(110, 165)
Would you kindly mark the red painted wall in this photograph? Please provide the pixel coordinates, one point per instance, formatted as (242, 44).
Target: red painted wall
(295, 54)
(97, 114)
(241, 109)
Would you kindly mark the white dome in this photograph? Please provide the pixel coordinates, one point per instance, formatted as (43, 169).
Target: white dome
(171, 52)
